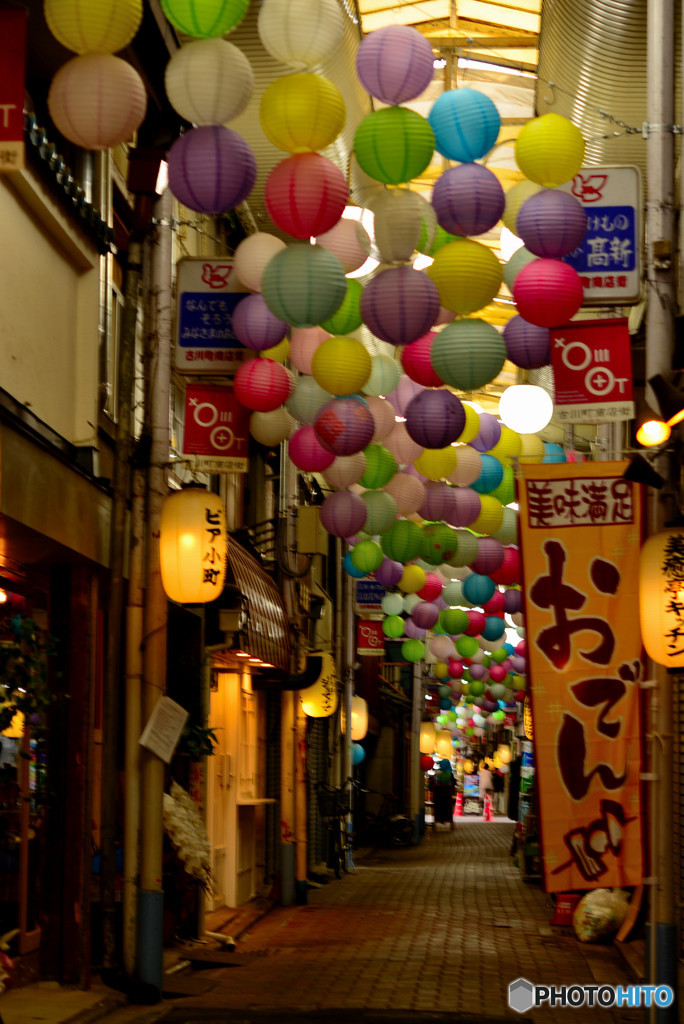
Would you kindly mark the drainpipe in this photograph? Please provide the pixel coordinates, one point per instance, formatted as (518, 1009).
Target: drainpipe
(416, 810)
(660, 313)
(158, 356)
(348, 692)
(302, 853)
(288, 846)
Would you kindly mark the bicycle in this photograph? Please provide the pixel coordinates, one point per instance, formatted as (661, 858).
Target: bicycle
(334, 806)
(384, 826)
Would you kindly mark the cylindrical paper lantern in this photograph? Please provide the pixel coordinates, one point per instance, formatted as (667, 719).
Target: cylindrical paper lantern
(394, 145)
(515, 197)
(97, 100)
(468, 354)
(83, 26)
(345, 426)
(383, 415)
(251, 257)
(395, 63)
(435, 419)
(380, 467)
(307, 452)
(347, 317)
(384, 376)
(426, 741)
(271, 428)
(468, 466)
(467, 275)
(307, 399)
(304, 284)
(255, 325)
(399, 304)
(382, 511)
(468, 199)
(341, 365)
(548, 292)
(661, 583)
(343, 514)
(551, 223)
(403, 541)
(527, 345)
(301, 33)
(306, 194)
(302, 113)
(549, 150)
(209, 81)
(205, 18)
(408, 492)
(262, 384)
(401, 217)
(211, 169)
(349, 241)
(193, 544)
(415, 359)
(345, 470)
(320, 700)
(466, 124)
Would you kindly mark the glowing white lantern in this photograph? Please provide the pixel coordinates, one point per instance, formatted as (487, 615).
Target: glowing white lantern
(193, 546)
(525, 408)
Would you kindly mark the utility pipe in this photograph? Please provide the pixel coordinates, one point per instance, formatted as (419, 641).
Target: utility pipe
(302, 853)
(288, 699)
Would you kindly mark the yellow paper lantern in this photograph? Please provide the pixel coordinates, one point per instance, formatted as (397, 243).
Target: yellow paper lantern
(341, 365)
(549, 150)
(504, 753)
(468, 767)
(280, 352)
(531, 448)
(471, 426)
(443, 744)
(15, 730)
(437, 463)
(440, 670)
(508, 447)
(661, 597)
(320, 699)
(515, 197)
(527, 719)
(359, 719)
(412, 579)
(302, 113)
(426, 740)
(93, 26)
(193, 546)
(467, 275)
(490, 517)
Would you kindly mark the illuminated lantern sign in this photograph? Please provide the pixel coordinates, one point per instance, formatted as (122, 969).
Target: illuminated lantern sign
(661, 597)
(193, 546)
(320, 699)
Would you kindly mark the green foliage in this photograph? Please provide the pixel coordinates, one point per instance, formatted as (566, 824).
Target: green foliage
(24, 652)
(197, 741)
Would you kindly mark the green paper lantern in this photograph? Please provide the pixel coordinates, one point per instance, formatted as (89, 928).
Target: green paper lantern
(393, 626)
(508, 531)
(505, 491)
(466, 549)
(439, 543)
(303, 284)
(403, 541)
(467, 354)
(380, 466)
(499, 655)
(382, 512)
(348, 317)
(440, 239)
(453, 620)
(366, 555)
(467, 646)
(205, 19)
(412, 650)
(476, 687)
(394, 145)
(467, 274)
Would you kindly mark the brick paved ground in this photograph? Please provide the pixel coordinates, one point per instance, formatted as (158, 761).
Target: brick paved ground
(444, 926)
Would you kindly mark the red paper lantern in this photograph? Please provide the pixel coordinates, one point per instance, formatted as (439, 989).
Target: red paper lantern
(262, 385)
(307, 452)
(415, 358)
(306, 194)
(426, 762)
(509, 570)
(548, 292)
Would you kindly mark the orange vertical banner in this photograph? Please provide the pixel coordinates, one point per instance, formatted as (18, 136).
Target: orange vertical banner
(580, 536)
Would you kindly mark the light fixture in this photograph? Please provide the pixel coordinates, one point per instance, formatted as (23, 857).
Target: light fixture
(661, 597)
(193, 545)
(525, 408)
(670, 399)
(650, 429)
(427, 737)
(359, 719)
(3, 596)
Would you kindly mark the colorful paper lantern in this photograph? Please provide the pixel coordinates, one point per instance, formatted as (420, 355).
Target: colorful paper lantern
(251, 257)
(211, 169)
(466, 124)
(344, 425)
(414, 650)
(401, 217)
(468, 465)
(380, 467)
(307, 452)
(255, 325)
(97, 100)
(394, 145)
(383, 416)
(389, 572)
(548, 292)
(490, 517)
(307, 399)
(491, 475)
(384, 376)
(436, 463)
(304, 284)
(527, 345)
(549, 150)
(209, 81)
(520, 258)
(382, 512)
(412, 579)
(271, 428)
(467, 275)
(525, 408)
(661, 583)
(439, 543)
(86, 27)
(488, 434)
(347, 317)
(193, 545)
(465, 506)
(399, 304)
(408, 492)
(468, 354)
(395, 63)
(205, 18)
(515, 197)
(551, 223)
(302, 113)
(366, 555)
(262, 384)
(341, 366)
(349, 241)
(435, 419)
(343, 514)
(300, 33)
(468, 199)
(403, 541)
(402, 446)
(306, 194)
(345, 470)
(415, 360)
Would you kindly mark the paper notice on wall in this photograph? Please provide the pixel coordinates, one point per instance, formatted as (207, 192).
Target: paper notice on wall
(163, 729)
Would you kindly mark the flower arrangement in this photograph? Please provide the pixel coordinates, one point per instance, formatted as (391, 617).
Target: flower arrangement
(188, 834)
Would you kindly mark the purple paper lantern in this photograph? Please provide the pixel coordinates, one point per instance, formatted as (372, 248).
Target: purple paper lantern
(435, 418)
(211, 169)
(468, 200)
(404, 393)
(489, 433)
(411, 630)
(527, 345)
(345, 425)
(255, 325)
(389, 572)
(400, 304)
(425, 615)
(551, 223)
(395, 63)
(439, 502)
(466, 507)
(343, 513)
(512, 601)
(477, 671)
(490, 556)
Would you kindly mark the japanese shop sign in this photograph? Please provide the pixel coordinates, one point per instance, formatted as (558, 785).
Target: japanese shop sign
(584, 646)
(368, 595)
(207, 293)
(216, 429)
(370, 638)
(12, 85)
(608, 258)
(592, 369)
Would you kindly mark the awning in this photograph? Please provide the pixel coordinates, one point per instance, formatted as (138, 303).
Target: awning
(266, 632)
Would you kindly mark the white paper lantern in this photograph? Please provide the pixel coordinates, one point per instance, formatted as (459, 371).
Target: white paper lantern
(442, 647)
(271, 428)
(320, 700)
(300, 33)
(402, 220)
(209, 81)
(345, 470)
(307, 399)
(97, 100)
(252, 255)
(525, 408)
(384, 376)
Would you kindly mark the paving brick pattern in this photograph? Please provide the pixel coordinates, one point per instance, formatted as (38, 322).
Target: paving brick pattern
(444, 926)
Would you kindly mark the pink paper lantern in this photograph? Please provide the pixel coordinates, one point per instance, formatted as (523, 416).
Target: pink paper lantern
(488, 434)
(211, 169)
(425, 615)
(527, 345)
(408, 492)
(432, 588)
(496, 603)
(547, 292)
(476, 622)
(349, 241)
(490, 556)
(509, 570)
(97, 100)
(405, 391)
(400, 304)
(345, 425)
(255, 325)
(415, 359)
(307, 452)
(551, 223)
(303, 343)
(343, 513)
(306, 194)
(395, 63)
(403, 448)
(411, 630)
(465, 507)
(438, 503)
(383, 415)
(262, 384)
(468, 199)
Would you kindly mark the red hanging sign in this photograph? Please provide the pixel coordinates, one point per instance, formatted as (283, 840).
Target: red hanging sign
(216, 428)
(592, 369)
(370, 638)
(12, 85)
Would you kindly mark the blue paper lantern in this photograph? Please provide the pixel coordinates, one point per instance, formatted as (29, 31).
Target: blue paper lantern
(466, 124)
(478, 589)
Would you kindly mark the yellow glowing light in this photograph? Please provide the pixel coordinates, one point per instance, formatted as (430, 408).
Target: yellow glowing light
(653, 432)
